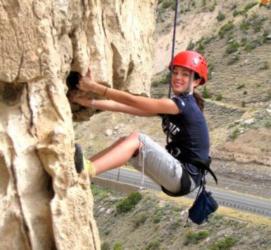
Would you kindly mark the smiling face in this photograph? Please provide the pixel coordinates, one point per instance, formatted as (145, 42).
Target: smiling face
(180, 80)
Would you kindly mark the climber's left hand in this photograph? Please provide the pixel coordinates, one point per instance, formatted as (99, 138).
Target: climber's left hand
(80, 98)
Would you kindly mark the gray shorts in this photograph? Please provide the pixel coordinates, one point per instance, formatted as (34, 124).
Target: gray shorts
(154, 161)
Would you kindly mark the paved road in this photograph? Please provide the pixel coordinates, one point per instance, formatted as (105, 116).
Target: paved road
(236, 200)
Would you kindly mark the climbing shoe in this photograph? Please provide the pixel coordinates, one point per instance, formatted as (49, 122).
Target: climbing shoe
(81, 163)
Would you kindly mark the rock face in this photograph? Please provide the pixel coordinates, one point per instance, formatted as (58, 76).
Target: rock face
(44, 203)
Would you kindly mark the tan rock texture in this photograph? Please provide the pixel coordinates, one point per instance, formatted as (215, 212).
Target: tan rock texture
(44, 203)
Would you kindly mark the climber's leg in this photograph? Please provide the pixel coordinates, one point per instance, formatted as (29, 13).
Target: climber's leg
(159, 165)
(103, 152)
(82, 163)
(116, 155)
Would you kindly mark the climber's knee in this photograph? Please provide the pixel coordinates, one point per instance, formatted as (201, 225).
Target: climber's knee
(134, 137)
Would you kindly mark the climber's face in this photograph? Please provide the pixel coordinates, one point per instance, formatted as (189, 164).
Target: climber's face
(180, 80)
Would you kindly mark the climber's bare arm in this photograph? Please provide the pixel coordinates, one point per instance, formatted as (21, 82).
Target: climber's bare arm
(107, 105)
(147, 105)
(114, 106)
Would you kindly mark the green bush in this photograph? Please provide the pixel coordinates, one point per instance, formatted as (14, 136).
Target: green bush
(118, 246)
(158, 215)
(255, 22)
(190, 46)
(168, 4)
(201, 44)
(224, 244)
(140, 219)
(154, 245)
(234, 6)
(105, 246)
(219, 97)
(251, 45)
(212, 7)
(235, 133)
(99, 193)
(195, 237)
(244, 10)
(249, 6)
(225, 28)
(240, 86)
(263, 66)
(258, 22)
(220, 17)
(245, 25)
(201, 48)
(129, 203)
(232, 47)
(230, 36)
(205, 93)
(237, 12)
(267, 124)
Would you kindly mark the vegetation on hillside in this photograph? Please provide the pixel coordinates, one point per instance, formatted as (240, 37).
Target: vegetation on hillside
(156, 224)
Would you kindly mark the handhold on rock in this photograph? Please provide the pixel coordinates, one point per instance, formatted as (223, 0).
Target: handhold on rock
(73, 79)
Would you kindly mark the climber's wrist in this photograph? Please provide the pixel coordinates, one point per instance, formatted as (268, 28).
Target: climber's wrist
(99, 89)
(105, 92)
(92, 103)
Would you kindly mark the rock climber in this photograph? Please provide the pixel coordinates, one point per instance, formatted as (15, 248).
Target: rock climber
(178, 168)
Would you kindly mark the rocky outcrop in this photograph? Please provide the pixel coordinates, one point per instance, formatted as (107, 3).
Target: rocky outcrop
(44, 203)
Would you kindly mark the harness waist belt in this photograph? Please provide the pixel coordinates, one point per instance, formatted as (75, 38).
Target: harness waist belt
(201, 164)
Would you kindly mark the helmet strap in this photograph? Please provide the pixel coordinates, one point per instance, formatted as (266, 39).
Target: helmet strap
(190, 88)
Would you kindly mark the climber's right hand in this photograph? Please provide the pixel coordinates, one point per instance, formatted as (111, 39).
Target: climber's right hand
(80, 98)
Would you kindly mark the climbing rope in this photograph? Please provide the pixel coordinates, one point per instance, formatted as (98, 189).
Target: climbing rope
(169, 90)
(173, 43)
(172, 53)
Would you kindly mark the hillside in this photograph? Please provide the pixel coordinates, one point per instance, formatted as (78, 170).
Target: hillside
(149, 221)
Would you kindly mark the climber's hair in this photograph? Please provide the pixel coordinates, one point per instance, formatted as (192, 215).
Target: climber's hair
(197, 96)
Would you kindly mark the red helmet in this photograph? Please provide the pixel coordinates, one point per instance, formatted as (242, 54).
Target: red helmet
(192, 60)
